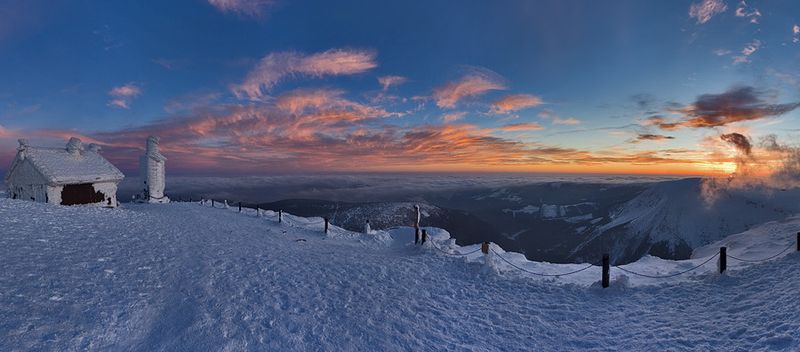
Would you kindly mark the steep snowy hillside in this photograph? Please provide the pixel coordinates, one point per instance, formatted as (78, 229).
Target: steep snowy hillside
(671, 218)
(187, 277)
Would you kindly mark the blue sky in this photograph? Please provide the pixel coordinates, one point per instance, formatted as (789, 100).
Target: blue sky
(260, 86)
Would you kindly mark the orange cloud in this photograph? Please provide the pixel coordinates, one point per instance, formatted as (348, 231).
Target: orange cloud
(475, 83)
(514, 102)
(277, 66)
(530, 126)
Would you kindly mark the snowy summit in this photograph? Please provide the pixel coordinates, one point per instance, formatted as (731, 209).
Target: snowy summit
(189, 277)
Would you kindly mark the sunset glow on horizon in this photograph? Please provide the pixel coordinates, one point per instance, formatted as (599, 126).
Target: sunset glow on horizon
(247, 87)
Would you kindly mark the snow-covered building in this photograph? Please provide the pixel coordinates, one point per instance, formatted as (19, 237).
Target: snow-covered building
(151, 169)
(68, 176)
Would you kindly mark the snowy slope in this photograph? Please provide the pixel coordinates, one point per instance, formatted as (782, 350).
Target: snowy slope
(671, 218)
(186, 277)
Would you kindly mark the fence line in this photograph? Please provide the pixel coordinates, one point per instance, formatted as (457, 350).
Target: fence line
(458, 254)
(666, 276)
(761, 260)
(541, 274)
(294, 223)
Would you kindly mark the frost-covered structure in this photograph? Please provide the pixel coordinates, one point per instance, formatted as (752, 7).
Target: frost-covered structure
(68, 176)
(151, 167)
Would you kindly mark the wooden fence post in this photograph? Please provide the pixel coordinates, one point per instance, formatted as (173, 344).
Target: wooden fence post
(416, 235)
(280, 216)
(258, 212)
(240, 207)
(212, 203)
(798, 241)
(606, 271)
(485, 248)
(723, 259)
(326, 225)
(424, 236)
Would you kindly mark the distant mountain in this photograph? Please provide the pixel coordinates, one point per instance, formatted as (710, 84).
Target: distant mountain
(564, 222)
(384, 215)
(671, 218)
(545, 221)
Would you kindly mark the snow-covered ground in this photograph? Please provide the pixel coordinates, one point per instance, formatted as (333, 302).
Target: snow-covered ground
(187, 277)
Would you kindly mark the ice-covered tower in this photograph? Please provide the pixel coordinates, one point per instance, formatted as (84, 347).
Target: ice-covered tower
(152, 171)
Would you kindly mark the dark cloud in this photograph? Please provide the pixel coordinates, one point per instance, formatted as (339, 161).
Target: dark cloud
(643, 101)
(740, 141)
(741, 103)
(652, 137)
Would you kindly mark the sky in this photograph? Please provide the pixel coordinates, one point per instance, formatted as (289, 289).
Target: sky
(257, 87)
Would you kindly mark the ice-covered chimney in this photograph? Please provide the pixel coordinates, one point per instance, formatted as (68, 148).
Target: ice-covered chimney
(23, 145)
(152, 146)
(94, 148)
(74, 146)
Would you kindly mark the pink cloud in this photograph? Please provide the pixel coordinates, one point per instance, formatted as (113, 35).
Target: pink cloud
(453, 116)
(742, 11)
(475, 83)
(388, 81)
(5, 132)
(748, 50)
(515, 102)
(277, 66)
(302, 101)
(122, 96)
(246, 8)
(706, 9)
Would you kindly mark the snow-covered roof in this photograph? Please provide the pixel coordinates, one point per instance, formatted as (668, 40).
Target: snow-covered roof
(70, 165)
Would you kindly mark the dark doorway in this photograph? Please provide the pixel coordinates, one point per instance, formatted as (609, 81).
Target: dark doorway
(82, 193)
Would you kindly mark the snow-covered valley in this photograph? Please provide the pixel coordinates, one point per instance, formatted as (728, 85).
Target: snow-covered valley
(187, 277)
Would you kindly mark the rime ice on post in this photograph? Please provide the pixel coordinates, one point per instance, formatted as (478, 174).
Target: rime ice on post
(152, 171)
(367, 229)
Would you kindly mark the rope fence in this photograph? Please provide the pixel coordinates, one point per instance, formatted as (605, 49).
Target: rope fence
(422, 236)
(670, 275)
(761, 260)
(541, 274)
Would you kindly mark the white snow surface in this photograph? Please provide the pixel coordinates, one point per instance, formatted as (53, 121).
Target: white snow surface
(187, 277)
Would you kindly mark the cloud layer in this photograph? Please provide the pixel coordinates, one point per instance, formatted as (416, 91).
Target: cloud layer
(246, 8)
(706, 9)
(742, 103)
(476, 82)
(515, 102)
(278, 66)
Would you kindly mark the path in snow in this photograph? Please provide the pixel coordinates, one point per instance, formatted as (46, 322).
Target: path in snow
(185, 277)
